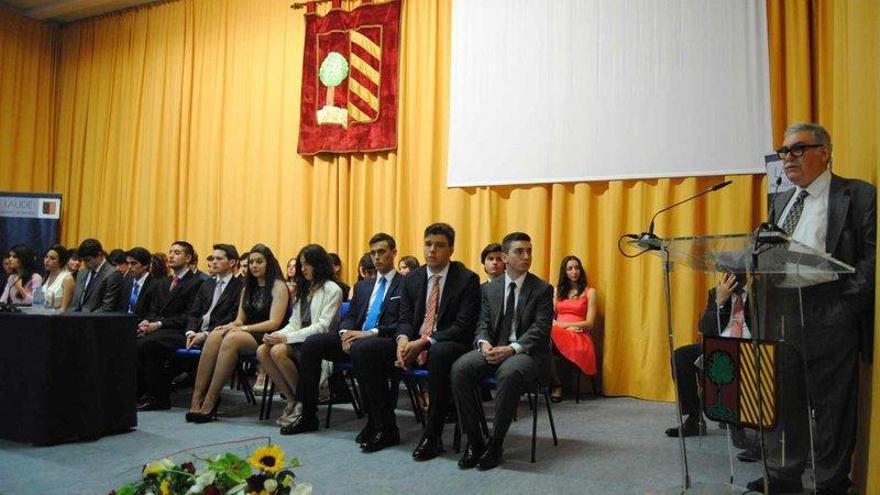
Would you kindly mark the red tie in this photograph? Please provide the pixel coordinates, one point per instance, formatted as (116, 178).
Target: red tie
(737, 319)
(430, 316)
(174, 281)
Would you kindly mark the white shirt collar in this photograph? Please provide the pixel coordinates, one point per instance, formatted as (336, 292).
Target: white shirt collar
(140, 281)
(518, 281)
(388, 277)
(181, 273)
(818, 187)
(224, 280)
(442, 273)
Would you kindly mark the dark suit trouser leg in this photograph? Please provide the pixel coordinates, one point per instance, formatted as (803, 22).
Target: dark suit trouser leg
(153, 350)
(686, 378)
(373, 362)
(514, 374)
(467, 372)
(316, 348)
(820, 362)
(441, 355)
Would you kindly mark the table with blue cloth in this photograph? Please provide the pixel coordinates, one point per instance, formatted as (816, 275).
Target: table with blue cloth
(67, 376)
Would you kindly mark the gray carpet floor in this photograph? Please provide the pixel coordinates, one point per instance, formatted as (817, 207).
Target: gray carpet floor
(606, 445)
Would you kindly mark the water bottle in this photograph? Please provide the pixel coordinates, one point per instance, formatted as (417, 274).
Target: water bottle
(39, 296)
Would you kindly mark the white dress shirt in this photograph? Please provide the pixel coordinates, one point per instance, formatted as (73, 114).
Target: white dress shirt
(519, 283)
(444, 273)
(811, 229)
(388, 278)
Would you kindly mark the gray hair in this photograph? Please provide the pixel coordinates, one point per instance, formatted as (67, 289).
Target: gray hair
(820, 135)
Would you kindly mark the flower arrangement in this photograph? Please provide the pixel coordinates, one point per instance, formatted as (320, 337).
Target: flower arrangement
(263, 473)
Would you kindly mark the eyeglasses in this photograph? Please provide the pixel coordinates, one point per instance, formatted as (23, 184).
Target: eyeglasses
(796, 150)
(215, 258)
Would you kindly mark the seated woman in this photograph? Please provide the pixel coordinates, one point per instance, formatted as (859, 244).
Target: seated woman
(24, 277)
(407, 264)
(575, 319)
(263, 305)
(315, 310)
(290, 280)
(59, 286)
(336, 263)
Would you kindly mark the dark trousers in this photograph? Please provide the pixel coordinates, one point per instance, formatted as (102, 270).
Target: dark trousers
(686, 375)
(373, 360)
(514, 374)
(154, 349)
(316, 348)
(818, 360)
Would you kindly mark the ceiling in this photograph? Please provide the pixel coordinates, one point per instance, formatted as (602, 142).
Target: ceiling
(62, 11)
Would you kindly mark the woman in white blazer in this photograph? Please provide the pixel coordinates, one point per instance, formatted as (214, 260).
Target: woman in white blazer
(315, 310)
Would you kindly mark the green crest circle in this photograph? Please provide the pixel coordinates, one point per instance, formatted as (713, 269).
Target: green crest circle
(334, 70)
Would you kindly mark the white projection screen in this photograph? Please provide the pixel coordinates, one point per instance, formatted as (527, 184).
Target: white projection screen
(582, 90)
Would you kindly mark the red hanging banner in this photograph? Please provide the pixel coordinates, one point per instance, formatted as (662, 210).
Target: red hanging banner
(350, 80)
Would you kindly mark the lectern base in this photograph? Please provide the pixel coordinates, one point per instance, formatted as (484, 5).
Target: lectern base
(700, 489)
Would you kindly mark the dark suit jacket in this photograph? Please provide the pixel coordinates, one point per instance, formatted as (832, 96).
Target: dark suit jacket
(534, 316)
(360, 306)
(459, 305)
(103, 293)
(145, 296)
(715, 319)
(170, 307)
(852, 239)
(226, 309)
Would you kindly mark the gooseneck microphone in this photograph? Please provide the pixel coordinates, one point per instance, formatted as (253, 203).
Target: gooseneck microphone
(768, 231)
(648, 240)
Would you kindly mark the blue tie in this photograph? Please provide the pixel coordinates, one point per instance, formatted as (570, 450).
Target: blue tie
(376, 307)
(133, 299)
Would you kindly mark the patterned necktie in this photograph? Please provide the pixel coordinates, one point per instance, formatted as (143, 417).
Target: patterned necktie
(737, 318)
(430, 316)
(174, 281)
(507, 316)
(133, 299)
(376, 306)
(794, 214)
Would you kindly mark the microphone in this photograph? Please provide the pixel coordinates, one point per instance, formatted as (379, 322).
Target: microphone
(768, 231)
(650, 241)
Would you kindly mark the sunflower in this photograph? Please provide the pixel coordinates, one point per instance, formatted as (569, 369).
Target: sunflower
(165, 487)
(269, 459)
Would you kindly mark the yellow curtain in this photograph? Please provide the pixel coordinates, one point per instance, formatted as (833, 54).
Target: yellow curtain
(27, 99)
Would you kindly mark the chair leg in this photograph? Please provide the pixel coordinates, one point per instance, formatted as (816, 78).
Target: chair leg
(271, 398)
(483, 423)
(534, 424)
(595, 382)
(550, 415)
(414, 399)
(456, 437)
(355, 395)
(263, 396)
(577, 387)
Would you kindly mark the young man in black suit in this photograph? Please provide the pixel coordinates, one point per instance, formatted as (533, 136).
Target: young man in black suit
(439, 306)
(99, 285)
(216, 302)
(162, 332)
(138, 287)
(513, 345)
(373, 314)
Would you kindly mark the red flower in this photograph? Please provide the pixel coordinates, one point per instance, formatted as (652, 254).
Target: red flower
(212, 490)
(188, 467)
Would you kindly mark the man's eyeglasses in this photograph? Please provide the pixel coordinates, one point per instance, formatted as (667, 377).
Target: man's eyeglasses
(215, 258)
(796, 151)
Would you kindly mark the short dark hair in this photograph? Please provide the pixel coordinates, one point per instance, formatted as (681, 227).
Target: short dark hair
(187, 249)
(335, 260)
(410, 261)
(382, 236)
(244, 256)
(229, 249)
(116, 256)
(141, 255)
(367, 262)
(513, 237)
(492, 247)
(90, 248)
(443, 229)
(63, 254)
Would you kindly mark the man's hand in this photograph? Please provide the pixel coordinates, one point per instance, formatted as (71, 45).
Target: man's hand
(194, 339)
(147, 327)
(724, 288)
(415, 348)
(497, 355)
(272, 339)
(352, 335)
(402, 343)
(485, 347)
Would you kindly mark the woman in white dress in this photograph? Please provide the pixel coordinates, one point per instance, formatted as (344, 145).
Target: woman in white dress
(59, 286)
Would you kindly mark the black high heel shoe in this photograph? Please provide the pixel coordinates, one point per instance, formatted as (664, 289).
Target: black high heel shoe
(197, 417)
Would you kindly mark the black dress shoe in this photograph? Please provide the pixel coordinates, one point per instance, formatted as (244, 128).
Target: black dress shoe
(472, 454)
(381, 440)
(690, 429)
(777, 485)
(364, 434)
(154, 405)
(429, 447)
(301, 425)
(492, 456)
(752, 454)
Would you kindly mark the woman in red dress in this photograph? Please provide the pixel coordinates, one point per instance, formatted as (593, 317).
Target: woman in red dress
(575, 319)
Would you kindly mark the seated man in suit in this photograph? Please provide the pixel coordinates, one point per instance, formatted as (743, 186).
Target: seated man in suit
(373, 313)
(194, 267)
(513, 345)
(138, 286)
(727, 315)
(118, 259)
(439, 306)
(217, 300)
(99, 286)
(162, 331)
